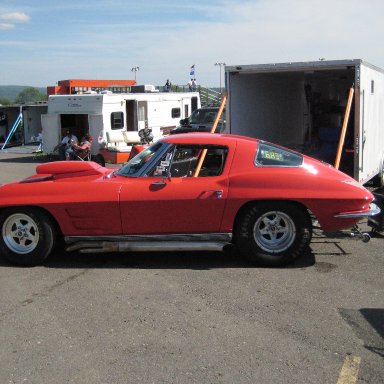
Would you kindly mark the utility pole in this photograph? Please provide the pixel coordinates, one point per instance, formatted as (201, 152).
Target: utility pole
(135, 69)
(220, 65)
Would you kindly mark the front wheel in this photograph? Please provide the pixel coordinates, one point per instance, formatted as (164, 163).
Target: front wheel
(27, 236)
(273, 233)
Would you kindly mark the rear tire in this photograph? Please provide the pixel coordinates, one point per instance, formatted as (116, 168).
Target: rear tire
(273, 234)
(27, 236)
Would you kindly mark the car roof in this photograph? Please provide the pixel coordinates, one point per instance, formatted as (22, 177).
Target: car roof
(207, 138)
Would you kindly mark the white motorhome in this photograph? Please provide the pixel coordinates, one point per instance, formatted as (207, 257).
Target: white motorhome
(104, 114)
(302, 105)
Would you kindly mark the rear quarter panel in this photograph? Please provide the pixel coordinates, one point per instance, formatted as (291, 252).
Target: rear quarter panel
(317, 186)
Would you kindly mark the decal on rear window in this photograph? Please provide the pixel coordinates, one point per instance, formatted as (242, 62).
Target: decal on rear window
(273, 156)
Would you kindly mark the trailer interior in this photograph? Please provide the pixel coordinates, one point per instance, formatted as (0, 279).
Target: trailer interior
(77, 124)
(300, 109)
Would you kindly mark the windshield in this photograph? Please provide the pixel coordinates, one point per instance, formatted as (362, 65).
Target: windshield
(136, 165)
(200, 116)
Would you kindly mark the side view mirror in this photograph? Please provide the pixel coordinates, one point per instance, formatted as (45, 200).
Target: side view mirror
(163, 179)
(167, 175)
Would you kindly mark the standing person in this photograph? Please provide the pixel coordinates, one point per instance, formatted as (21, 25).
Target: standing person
(39, 139)
(194, 85)
(190, 85)
(167, 86)
(65, 147)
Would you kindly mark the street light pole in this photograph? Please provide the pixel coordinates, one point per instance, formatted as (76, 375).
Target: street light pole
(135, 69)
(220, 65)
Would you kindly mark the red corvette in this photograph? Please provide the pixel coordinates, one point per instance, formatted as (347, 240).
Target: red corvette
(185, 192)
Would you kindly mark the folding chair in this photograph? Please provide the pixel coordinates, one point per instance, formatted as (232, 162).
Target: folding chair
(83, 155)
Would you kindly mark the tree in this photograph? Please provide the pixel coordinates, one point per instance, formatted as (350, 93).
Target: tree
(4, 101)
(28, 95)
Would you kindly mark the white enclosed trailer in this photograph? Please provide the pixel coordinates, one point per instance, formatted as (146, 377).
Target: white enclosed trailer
(302, 106)
(99, 114)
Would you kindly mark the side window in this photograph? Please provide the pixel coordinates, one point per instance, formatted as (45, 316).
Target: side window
(214, 162)
(184, 161)
(117, 120)
(269, 155)
(176, 112)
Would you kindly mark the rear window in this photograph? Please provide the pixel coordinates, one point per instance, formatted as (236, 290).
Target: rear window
(273, 156)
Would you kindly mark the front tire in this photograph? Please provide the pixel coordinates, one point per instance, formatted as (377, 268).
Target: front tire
(27, 236)
(273, 234)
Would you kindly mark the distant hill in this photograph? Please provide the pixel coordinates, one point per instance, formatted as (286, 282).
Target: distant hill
(10, 92)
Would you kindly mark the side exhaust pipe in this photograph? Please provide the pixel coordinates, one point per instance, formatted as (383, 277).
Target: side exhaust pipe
(132, 246)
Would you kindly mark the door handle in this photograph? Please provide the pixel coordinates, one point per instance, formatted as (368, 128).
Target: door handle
(218, 192)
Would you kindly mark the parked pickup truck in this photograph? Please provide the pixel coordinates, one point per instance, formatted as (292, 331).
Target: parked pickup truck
(201, 120)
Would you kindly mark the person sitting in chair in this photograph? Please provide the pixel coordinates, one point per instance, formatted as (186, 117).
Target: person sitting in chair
(83, 149)
(65, 146)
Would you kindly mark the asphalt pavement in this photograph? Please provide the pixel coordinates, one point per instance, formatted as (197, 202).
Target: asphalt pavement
(204, 317)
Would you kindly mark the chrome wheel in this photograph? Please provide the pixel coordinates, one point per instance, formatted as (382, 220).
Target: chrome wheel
(28, 235)
(20, 233)
(274, 231)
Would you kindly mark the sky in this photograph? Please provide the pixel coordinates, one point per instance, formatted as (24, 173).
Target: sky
(44, 41)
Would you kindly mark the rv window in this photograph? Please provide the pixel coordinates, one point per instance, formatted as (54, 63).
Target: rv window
(117, 120)
(194, 103)
(175, 113)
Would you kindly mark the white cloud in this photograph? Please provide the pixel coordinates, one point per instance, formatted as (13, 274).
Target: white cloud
(16, 17)
(5, 26)
(234, 32)
(275, 31)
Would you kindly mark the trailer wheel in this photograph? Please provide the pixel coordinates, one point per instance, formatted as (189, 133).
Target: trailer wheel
(27, 236)
(273, 234)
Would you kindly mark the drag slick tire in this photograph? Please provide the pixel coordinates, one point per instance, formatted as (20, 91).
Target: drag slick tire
(27, 235)
(273, 234)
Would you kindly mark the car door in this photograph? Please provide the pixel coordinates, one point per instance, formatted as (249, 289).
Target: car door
(178, 203)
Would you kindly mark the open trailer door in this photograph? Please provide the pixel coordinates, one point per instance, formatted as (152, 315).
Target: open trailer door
(96, 127)
(369, 138)
(51, 131)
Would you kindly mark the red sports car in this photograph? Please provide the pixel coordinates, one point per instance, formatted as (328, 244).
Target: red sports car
(194, 191)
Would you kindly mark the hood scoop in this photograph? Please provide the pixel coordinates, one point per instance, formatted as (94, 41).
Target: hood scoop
(65, 169)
